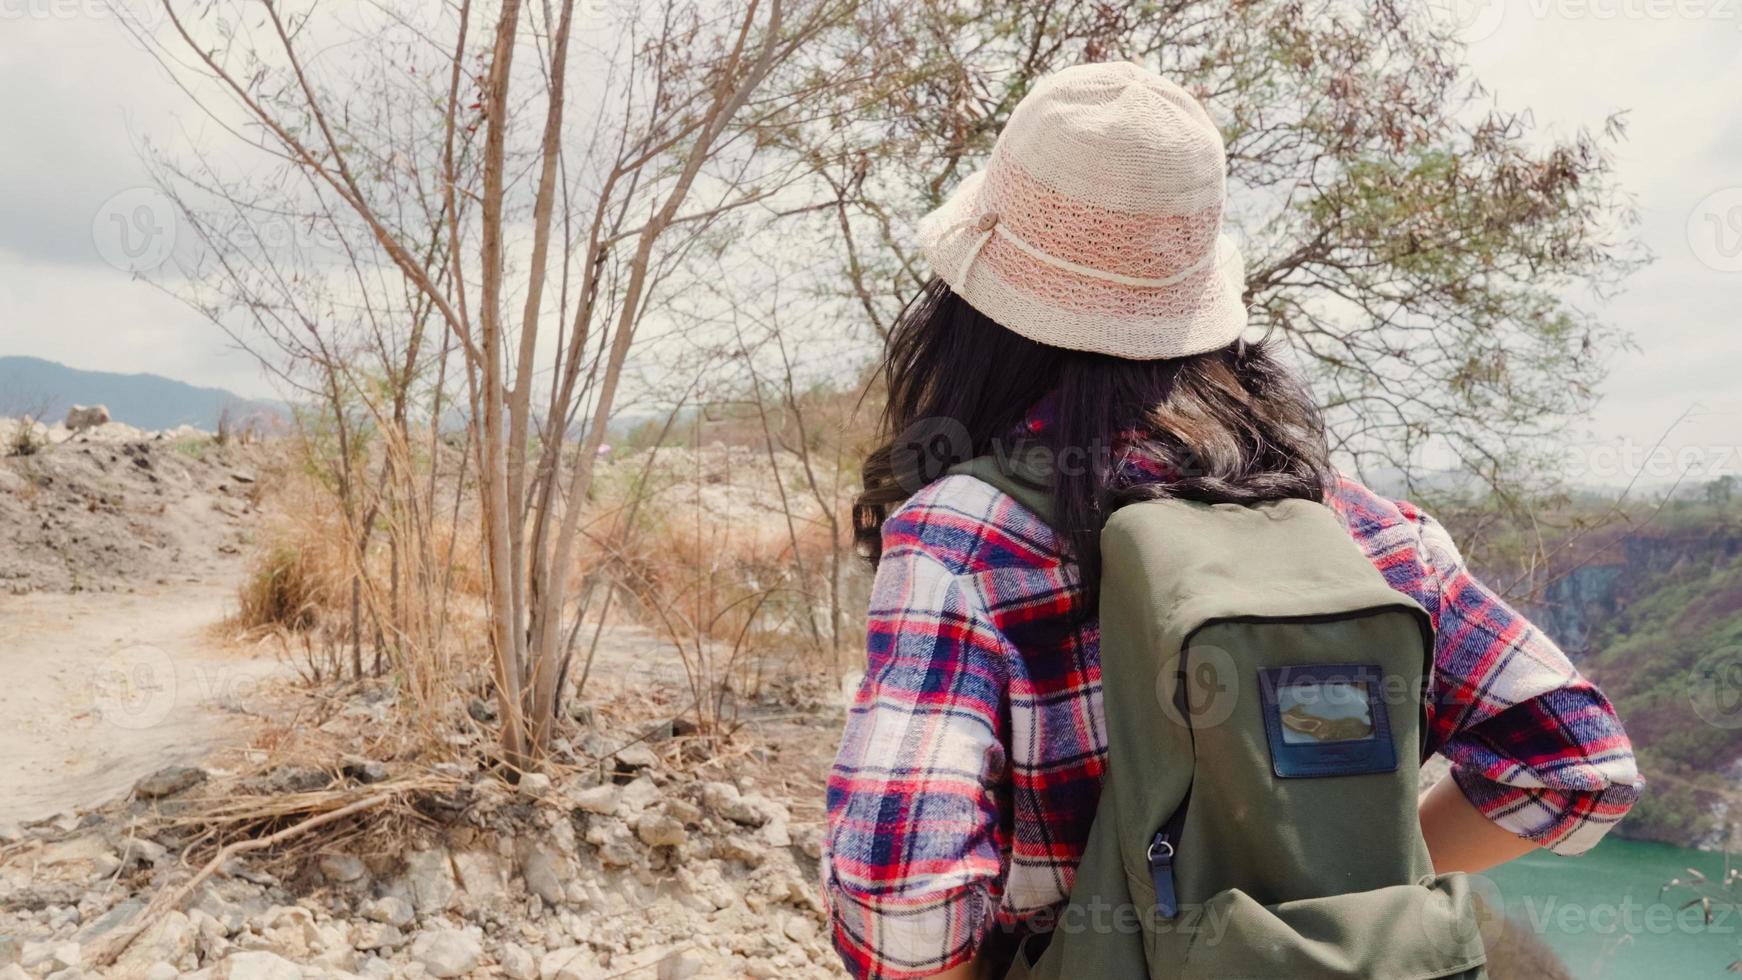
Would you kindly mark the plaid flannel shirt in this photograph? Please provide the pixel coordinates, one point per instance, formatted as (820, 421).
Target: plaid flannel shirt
(967, 779)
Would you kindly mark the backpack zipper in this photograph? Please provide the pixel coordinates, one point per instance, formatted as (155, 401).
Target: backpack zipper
(1163, 849)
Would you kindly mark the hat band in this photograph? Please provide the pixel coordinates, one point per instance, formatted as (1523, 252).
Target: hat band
(989, 225)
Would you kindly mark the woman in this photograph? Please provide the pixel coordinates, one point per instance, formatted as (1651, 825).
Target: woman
(1085, 299)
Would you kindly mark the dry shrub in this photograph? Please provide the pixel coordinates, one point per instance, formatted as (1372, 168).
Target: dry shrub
(281, 591)
(702, 547)
(300, 577)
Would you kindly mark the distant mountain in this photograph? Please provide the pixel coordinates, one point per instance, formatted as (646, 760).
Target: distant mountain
(30, 385)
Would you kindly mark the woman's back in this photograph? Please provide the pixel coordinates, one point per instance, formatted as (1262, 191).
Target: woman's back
(966, 785)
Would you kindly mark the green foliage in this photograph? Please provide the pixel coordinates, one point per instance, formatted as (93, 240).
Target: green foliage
(1667, 661)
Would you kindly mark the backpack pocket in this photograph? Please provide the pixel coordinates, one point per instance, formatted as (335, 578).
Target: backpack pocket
(1404, 932)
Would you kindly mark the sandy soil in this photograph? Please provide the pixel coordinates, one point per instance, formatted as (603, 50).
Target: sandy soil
(101, 689)
(122, 553)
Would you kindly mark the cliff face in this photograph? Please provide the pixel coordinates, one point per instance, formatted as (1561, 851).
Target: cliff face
(1653, 614)
(1590, 590)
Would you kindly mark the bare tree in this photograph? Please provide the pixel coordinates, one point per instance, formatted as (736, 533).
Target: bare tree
(577, 228)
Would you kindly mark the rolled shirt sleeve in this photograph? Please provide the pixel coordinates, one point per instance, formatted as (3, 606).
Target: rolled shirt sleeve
(916, 833)
(1533, 744)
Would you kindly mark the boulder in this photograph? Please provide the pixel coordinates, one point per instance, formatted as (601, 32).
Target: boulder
(391, 910)
(482, 876)
(659, 830)
(543, 869)
(448, 952)
(81, 417)
(569, 963)
(636, 757)
(342, 868)
(168, 782)
(598, 799)
(256, 964)
(429, 877)
(517, 963)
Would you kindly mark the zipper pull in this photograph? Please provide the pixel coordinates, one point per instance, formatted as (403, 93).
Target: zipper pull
(1161, 873)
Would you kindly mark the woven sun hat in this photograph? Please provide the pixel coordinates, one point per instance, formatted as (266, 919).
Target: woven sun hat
(1097, 223)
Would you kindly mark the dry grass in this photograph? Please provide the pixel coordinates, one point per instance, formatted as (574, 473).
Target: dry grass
(283, 590)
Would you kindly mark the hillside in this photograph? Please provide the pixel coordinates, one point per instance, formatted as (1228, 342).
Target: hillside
(1650, 608)
(44, 389)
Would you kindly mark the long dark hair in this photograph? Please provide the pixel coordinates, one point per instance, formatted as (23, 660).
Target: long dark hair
(1233, 425)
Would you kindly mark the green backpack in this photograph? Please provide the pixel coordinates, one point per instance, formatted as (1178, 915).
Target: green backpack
(1263, 688)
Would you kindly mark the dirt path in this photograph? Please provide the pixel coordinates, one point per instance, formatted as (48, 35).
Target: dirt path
(102, 688)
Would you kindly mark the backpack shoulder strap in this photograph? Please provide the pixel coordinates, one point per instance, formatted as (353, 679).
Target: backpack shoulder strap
(1024, 473)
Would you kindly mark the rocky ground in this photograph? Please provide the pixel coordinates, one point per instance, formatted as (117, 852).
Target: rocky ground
(648, 851)
(647, 872)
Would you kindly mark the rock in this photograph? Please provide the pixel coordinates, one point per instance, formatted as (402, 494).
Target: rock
(517, 963)
(368, 936)
(534, 785)
(748, 810)
(143, 850)
(681, 965)
(481, 710)
(162, 971)
(737, 847)
(809, 839)
(343, 868)
(228, 914)
(82, 417)
(366, 771)
(10, 832)
(615, 841)
(168, 782)
(800, 930)
(167, 940)
(108, 922)
(544, 870)
(719, 796)
(448, 952)
(683, 811)
(598, 799)
(636, 757)
(429, 876)
(569, 963)
(13, 971)
(659, 830)
(482, 877)
(10, 949)
(638, 795)
(46, 957)
(256, 964)
(392, 910)
(297, 779)
(288, 930)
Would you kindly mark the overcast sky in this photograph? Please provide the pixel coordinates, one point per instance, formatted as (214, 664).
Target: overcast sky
(80, 94)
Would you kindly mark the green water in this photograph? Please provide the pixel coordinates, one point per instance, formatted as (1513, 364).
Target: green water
(1603, 914)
